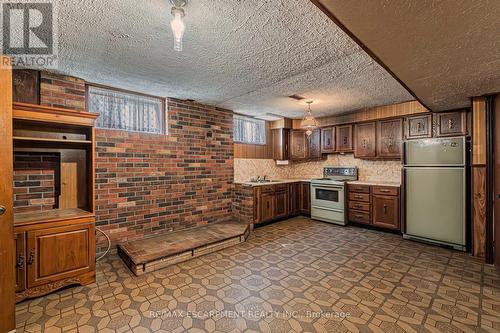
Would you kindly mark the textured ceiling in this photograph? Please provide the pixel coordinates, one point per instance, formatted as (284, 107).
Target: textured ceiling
(243, 55)
(444, 51)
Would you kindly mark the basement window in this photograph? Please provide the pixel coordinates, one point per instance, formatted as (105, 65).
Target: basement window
(249, 130)
(127, 111)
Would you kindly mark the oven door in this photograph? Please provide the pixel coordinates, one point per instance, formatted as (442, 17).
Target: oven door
(327, 196)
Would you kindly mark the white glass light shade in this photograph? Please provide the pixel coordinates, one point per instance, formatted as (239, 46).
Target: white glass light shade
(178, 28)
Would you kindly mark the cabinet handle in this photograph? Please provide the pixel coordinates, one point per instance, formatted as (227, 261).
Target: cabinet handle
(450, 123)
(358, 197)
(20, 262)
(385, 209)
(345, 140)
(419, 127)
(384, 191)
(359, 216)
(31, 258)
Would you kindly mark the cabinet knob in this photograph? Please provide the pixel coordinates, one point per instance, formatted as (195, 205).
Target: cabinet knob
(2, 210)
(385, 209)
(20, 262)
(31, 258)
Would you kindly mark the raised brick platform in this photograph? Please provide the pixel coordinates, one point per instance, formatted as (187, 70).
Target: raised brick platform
(150, 254)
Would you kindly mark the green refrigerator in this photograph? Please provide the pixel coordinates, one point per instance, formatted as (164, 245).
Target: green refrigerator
(435, 183)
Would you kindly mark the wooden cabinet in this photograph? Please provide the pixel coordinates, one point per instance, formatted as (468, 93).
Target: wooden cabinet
(328, 140)
(418, 127)
(450, 123)
(281, 144)
(314, 145)
(365, 140)
(386, 211)
(375, 205)
(359, 203)
(390, 138)
(298, 145)
(20, 244)
(59, 253)
(343, 139)
(305, 198)
(281, 201)
(293, 199)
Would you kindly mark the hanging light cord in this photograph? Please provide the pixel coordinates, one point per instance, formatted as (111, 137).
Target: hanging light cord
(109, 244)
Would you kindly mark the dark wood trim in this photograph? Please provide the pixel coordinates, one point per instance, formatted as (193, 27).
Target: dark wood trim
(365, 48)
(490, 110)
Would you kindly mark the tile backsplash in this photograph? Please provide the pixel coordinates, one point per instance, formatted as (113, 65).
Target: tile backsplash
(369, 170)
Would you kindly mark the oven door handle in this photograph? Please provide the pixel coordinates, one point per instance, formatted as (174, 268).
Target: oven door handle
(338, 188)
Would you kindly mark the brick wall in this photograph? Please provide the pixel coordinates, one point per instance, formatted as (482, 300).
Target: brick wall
(35, 181)
(62, 91)
(148, 184)
(243, 203)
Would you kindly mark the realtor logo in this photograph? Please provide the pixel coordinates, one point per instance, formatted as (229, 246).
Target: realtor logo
(29, 33)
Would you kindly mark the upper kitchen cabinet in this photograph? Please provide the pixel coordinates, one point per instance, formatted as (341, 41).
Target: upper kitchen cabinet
(281, 144)
(450, 123)
(314, 140)
(389, 138)
(298, 145)
(365, 136)
(328, 140)
(343, 138)
(418, 127)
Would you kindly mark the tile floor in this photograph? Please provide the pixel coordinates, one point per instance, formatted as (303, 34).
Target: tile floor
(292, 276)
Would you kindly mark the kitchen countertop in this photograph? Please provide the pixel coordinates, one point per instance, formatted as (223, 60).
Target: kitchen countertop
(273, 182)
(375, 183)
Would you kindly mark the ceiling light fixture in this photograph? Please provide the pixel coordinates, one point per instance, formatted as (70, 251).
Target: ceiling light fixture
(177, 24)
(309, 123)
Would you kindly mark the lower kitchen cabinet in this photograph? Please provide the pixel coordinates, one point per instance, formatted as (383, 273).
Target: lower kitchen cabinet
(378, 206)
(386, 211)
(272, 202)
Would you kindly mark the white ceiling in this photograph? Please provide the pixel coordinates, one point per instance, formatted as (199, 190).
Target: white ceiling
(444, 51)
(242, 55)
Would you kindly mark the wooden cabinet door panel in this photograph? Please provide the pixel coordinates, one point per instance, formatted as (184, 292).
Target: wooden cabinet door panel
(257, 203)
(390, 138)
(298, 145)
(305, 198)
(267, 207)
(365, 140)
(294, 198)
(60, 253)
(314, 147)
(359, 216)
(450, 123)
(281, 208)
(20, 243)
(328, 140)
(343, 139)
(386, 212)
(418, 127)
(281, 144)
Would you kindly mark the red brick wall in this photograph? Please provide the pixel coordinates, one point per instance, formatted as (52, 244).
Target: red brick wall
(148, 184)
(62, 91)
(35, 181)
(243, 203)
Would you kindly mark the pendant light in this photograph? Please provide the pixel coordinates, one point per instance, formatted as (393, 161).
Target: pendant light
(309, 123)
(177, 24)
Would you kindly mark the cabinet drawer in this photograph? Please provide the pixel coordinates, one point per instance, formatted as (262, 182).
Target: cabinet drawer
(359, 197)
(359, 188)
(358, 216)
(267, 189)
(386, 190)
(364, 206)
(281, 187)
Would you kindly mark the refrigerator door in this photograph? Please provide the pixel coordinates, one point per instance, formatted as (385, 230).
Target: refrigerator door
(435, 204)
(434, 152)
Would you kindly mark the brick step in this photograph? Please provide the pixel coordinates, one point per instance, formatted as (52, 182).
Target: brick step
(150, 254)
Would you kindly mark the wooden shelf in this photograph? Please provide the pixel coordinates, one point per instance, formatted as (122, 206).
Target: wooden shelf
(50, 216)
(33, 139)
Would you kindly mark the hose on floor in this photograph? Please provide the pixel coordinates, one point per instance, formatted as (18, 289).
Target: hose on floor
(109, 244)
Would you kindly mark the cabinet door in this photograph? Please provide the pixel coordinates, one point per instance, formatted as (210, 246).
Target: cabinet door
(386, 212)
(20, 243)
(450, 123)
(294, 199)
(59, 253)
(328, 140)
(390, 138)
(343, 138)
(314, 143)
(281, 138)
(305, 198)
(267, 207)
(281, 208)
(257, 204)
(365, 140)
(298, 145)
(418, 127)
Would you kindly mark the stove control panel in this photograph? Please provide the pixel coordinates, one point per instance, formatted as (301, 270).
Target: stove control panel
(348, 173)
